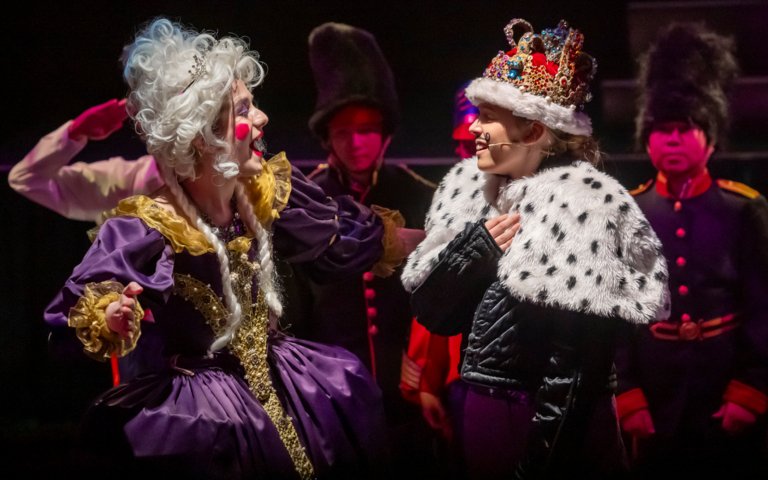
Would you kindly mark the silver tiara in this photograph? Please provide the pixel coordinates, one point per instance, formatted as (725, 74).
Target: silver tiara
(197, 71)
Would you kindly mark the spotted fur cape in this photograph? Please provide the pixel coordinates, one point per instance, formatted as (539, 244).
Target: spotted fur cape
(583, 244)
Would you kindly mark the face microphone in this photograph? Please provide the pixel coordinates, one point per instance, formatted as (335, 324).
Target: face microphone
(502, 144)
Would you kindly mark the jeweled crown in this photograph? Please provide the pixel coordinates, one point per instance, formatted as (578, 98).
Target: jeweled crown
(550, 64)
(543, 77)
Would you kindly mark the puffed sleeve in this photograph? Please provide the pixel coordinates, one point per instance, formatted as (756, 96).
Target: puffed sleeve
(125, 250)
(337, 235)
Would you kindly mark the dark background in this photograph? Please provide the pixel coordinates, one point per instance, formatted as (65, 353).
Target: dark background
(62, 57)
(65, 57)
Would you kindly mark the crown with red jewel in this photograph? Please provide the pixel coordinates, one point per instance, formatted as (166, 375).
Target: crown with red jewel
(543, 77)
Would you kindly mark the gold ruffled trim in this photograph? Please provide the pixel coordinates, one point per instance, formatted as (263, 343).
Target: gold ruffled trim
(281, 169)
(240, 245)
(268, 192)
(203, 299)
(178, 231)
(394, 250)
(175, 228)
(88, 318)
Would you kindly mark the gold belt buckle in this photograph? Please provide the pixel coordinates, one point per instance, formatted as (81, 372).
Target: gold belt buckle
(689, 330)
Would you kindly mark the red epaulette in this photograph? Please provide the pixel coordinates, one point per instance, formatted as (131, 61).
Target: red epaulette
(317, 170)
(738, 187)
(641, 188)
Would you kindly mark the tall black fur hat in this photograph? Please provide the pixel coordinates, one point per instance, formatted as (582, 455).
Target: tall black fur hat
(686, 75)
(348, 67)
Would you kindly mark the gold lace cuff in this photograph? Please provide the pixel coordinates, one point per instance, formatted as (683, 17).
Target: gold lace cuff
(394, 250)
(88, 318)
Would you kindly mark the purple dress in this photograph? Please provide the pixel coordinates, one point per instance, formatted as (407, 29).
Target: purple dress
(270, 406)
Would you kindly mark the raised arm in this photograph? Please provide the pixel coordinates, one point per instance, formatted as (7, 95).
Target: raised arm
(82, 191)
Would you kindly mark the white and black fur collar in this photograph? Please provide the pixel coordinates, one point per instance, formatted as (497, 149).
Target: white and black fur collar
(583, 245)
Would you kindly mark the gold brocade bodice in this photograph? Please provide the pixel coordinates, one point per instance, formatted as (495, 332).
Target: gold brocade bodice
(249, 344)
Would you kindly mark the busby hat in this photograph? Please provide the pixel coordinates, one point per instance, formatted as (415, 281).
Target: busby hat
(348, 67)
(686, 76)
(543, 77)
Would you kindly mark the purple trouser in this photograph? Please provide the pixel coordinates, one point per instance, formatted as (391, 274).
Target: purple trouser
(491, 427)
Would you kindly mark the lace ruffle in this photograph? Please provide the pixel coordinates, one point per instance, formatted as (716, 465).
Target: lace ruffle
(178, 231)
(394, 251)
(268, 192)
(88, 318)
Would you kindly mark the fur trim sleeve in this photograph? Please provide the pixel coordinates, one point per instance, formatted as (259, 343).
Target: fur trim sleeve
(461, 198)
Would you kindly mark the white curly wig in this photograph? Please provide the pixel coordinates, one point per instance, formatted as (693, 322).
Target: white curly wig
(169, 111)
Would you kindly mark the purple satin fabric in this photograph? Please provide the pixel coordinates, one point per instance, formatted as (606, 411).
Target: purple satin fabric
(211, 418)
(335, 400)
(309, 222)
(210, 422)
(125, 250)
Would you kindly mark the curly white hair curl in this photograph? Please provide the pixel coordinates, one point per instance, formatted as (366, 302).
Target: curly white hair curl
(169, 108)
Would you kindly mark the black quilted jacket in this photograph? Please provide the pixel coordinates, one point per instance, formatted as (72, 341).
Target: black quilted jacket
(563, 359)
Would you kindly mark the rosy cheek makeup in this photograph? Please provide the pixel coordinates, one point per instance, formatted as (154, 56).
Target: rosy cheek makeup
(242, 130)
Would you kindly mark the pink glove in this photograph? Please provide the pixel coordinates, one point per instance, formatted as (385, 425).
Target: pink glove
(735, 417)
(638, 424)
(99, 122)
